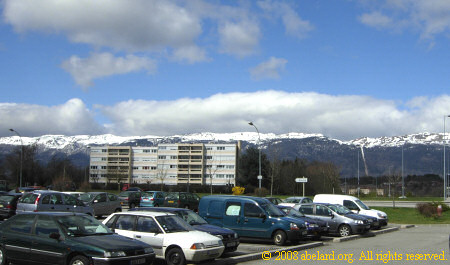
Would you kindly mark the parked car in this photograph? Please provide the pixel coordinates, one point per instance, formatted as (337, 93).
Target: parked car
(229, 238)
(152, 199)
(182, 200)
(338, 220)
(354, 204)
(314, 226)
(67, 238)
(274, 200)
(130, 198)
(103, 203)
(171, 238)
(291, 201)
(8, 204)
(40, 201)
(76, 194)
(251, 217)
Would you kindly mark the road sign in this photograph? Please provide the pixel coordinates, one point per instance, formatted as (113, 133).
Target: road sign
(301, 180)
(259, 177)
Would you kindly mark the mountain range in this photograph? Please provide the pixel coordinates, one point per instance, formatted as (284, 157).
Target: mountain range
(422, 153)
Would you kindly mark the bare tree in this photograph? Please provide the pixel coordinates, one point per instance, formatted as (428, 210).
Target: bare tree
(275, 166)
(394, 178)
(161, 174)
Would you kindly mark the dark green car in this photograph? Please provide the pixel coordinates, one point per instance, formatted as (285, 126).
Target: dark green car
(67, 238)
(182, 200)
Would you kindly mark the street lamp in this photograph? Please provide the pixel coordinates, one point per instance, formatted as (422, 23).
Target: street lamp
(445, 176)
(21, 155)
(259, 148)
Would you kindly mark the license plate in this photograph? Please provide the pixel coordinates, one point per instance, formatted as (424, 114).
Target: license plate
(145, 199)
(231, 244)
(137, 261)
(170, 201)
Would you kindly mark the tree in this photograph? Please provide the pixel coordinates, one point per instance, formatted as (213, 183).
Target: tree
(32, 172)
(161, 174)
(249, 167)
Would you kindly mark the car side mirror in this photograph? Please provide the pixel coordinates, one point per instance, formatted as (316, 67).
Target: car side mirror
(261, 215)
(54, 235)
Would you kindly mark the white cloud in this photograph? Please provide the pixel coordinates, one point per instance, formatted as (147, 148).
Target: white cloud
(240, 39)
(269, 69)
(343, 117)
(99, 65)
(70, 118)
(191, 54)
(428, 17)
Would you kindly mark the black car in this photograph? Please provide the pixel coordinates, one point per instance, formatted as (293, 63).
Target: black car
(230, 238)
(130, 198)
(182, 200)
(8, 204)
(67, 238)
(315, 227)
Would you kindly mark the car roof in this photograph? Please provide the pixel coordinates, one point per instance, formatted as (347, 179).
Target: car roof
(247, 198)
(161, 209)
(143, 213)
(54, 213)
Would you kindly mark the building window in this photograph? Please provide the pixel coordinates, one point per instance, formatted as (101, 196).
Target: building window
(145, 168)
(103, 167)
(146, 151)
(135, 168)
(173, 157)
(93, 167)
(104, 150)
(221, 148)
(161, 157)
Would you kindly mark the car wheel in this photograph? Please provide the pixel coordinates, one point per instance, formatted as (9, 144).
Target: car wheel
(345, 230)
(3, 260)
(279, 238)
(79, 260)
(175, 256)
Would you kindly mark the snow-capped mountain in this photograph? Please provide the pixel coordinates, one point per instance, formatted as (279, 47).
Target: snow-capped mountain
(422, 152)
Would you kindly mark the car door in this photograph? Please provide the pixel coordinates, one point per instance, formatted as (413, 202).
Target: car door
(71, 205)
(55, 203)
(100, 204)
(323, 213)
(159, 199)
(148, 231)
(233, 215)
(16, 237)
(44, 249)
(124, 225)
(254, 223)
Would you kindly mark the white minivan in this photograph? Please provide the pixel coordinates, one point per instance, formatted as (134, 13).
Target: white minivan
(354, 204)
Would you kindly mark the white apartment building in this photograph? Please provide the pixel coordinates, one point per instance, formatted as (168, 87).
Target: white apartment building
(170, 164)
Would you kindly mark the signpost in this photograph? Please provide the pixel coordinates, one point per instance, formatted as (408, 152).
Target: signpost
(302, 180)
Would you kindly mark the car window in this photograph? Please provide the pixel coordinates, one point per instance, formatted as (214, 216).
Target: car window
(56, 199)
(351, 205)
(196, 197)
(147, 224)
(45, 199)
(189, 197)
(182, 197)
(233, 209)
(112, 197)
(173, 223)
(45, 226)
(6, 199)
(22, 224)
(172, 196)
(322, 210)
(125, 222)
(82, 225)
(307, 200)
(306, 209)
(69, 200)
(29, 198)
(159, 196)
(101, 197)
(252, 210)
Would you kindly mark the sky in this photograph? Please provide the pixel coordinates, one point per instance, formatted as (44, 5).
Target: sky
(345, 69)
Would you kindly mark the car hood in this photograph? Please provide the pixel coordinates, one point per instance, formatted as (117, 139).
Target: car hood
(213, 229)
(110, 242)
(355, 216)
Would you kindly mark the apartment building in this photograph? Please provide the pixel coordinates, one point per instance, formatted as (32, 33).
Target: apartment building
(168, 164)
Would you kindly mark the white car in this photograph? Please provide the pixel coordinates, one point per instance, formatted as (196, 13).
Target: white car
(171, 238)
(292, 201)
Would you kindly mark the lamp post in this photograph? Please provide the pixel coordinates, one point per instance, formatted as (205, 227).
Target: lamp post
(21, 155)
(259, 148)
(445, 176)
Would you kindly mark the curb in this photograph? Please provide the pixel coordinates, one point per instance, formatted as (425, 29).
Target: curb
(372, 233)
(258, 255)
(407, 226)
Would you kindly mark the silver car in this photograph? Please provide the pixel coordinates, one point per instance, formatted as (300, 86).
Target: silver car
(103, 203)
(51, 201)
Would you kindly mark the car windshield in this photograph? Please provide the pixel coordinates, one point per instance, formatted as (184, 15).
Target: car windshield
(272, 210)
(6, 198)
(124, 194)
(82, 225)
(362, 205)
(173, 224)
(172, 196)
(339, 209)
(86, 197)
(293, 212)
(191, 218)
(147, 194)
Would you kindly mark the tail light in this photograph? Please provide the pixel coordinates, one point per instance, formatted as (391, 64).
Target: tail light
(141, 199)
(151, 199)
(9, 206)
(37, 200)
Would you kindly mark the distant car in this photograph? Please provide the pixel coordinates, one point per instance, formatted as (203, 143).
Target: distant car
(8, 204)
(229, 238)
(103, 203)
(315, 227)
(130, 198)
(54, 201)
(171, 238)
(152, 199)
(76, 194)
(274, 200)
(182, 200)
(67, 238)
(291, 201)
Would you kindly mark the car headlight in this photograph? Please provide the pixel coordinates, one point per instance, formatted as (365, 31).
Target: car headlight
(294, 226)
(112, 254)
(199, 246)
(148, 250)
(381, 215)
(219, 236)
(220, 243)
(360, 222)
(236, 235)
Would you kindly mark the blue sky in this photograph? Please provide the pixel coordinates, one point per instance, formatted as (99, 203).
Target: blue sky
(346, 69)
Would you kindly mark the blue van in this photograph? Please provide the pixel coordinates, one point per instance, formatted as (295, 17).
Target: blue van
(251, 217)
